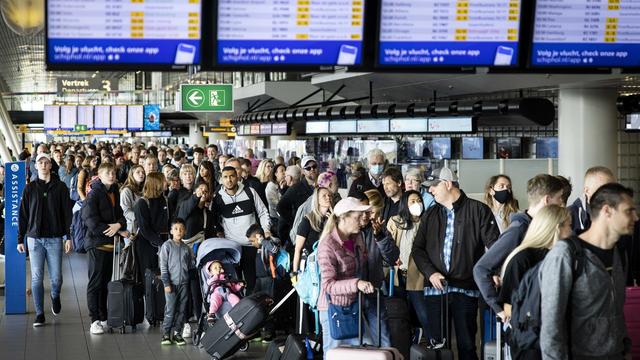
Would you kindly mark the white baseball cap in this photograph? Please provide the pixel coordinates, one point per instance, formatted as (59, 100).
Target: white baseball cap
(43, 156)
(349, 204)
(307, 159)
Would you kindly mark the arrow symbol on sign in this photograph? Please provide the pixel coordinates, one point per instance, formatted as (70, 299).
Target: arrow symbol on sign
(194, 98)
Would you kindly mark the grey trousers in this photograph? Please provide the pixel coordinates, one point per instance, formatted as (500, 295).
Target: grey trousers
(175, 309)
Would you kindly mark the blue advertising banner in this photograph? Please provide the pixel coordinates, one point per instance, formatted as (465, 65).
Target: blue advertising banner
(502, 53)
(589, 55)
(289, 52)
(15, 263)
(151, 117)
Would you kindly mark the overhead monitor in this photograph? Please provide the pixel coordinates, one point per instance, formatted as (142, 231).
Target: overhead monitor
(441, 148)
(290, 33)
(585, 33)
(343, 127)
(632, 122)
(254, 129)
(547, 148)
(472, 148)
(85, 116)
(451, 124)
(509, 148)
(444, 33)
(135, 117)
(265, 129)
(102, 117)
(51, 117)
(119, 117)
(409, 125)
(126, 34)
(152, 117)
(68, 117)
(373, 126)
(317, 127)
(279, 129)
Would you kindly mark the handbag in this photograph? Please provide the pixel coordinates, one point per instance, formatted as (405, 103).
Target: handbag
(343, 320)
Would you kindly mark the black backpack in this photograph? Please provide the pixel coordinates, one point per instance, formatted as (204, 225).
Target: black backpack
(525, 302)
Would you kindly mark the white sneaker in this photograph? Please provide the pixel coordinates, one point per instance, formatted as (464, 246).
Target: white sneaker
(186, 331)
(96, 328)
(104, 324)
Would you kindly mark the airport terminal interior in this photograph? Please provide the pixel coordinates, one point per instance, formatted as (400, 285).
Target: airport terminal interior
(477, 87)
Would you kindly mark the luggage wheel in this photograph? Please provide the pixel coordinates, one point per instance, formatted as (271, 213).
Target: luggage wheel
(244, 347)
(195, 338)
(122, 330)
(110, 330)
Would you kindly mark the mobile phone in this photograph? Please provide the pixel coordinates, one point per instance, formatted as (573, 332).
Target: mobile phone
(504, 54)
(347, 55)
(185, 54)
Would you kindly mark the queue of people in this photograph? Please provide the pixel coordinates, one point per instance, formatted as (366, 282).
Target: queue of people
(449, 253)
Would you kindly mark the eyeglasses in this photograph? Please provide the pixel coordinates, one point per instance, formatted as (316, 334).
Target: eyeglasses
(311, 167)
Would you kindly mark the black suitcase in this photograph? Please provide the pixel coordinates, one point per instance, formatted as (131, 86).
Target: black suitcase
(441, 351)
(398, 320)
(294, 348)
(125, 299)
(275, 349)
(239, 325)
(154, 298)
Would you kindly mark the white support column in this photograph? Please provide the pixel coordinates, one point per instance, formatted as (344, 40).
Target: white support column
(587, 133)
(195, 135)
(8, 130)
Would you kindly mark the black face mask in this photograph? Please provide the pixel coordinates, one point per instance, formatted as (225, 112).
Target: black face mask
(502, 196)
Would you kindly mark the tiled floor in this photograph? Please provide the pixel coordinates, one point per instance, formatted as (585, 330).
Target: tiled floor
(66, 337)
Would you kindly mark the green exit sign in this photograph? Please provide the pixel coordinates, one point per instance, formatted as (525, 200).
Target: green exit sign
(80, 127)
(209, 98)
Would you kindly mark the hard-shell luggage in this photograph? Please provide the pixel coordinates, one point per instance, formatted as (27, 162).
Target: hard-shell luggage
(293, 348)
(493, 349)
(365, 351)
(632, 318)
(125, 299)
(439, 351)
(398, 320)
(275, 350)
(154, 298)
(239, 325)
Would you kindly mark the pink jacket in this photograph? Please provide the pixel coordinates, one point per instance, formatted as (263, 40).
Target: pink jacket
(232, 285)
(338, 270)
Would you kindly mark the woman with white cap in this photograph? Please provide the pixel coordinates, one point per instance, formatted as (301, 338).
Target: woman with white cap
(341, 256)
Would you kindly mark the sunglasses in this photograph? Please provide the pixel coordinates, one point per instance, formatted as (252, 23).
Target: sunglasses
(311, 167)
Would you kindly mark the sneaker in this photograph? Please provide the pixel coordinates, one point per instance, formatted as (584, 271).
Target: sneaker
(39, 320)
(56, 306)
(96, 328)
(186, 331)
(166, 340)
(104, 324)
(179, 340)
(417, 336)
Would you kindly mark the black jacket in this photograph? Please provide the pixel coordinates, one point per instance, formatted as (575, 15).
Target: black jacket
(362, 184)
(98, 212)
(175, 198)
(35, 206)
(254, 183)
(580, 218)
(193, 217)
(475, 229)
(289, 203)
(153, 220)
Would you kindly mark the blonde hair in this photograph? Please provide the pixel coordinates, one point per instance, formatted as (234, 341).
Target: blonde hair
(375, 200)
(153, 185)
(261, 171)
(315, 217)
(543, 231)
(187, 168)
(329, 226)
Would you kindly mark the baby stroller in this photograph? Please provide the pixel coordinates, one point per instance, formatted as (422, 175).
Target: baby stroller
(228, 252)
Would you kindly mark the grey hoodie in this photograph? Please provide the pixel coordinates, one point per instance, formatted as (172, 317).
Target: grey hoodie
(491, 262)
(176, 259)
(235, 220)
(595, 302)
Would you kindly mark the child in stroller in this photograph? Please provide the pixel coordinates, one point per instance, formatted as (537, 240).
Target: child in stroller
(221, 289)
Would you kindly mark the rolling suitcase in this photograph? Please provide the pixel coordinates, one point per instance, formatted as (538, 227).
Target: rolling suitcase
(439, 351)
(365, 351)
(493, 349)
(237, 326)
(293, 348)
(632, 319)
(398, 320)
(154, 298)
(125, 299)
(274, 351)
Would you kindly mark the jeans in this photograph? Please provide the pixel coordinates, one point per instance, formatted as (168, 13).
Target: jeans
(371, 317)
(100, 269)
(463, 310)
(175, 308)
(41, 249)
(327, 341)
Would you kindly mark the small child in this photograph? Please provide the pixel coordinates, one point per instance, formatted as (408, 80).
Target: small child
(221, 288)
(176, 259)
(268, 249)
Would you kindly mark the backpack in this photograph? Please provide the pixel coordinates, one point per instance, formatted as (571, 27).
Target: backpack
(308, 285)
(526, 318)
(87, 185)
(73, 188)
(78, 228)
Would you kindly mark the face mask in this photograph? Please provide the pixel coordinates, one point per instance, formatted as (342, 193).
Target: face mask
(376, 169)
(428, 200)
(502, 196)
(416, 209)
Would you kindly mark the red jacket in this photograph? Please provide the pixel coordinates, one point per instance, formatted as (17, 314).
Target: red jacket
(339, 269)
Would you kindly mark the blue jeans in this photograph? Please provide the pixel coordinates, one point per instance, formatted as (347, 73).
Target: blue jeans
(327, 341)
(463, 310)
(41, 249)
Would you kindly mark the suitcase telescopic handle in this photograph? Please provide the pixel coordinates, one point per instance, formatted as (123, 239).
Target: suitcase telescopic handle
(361, 316)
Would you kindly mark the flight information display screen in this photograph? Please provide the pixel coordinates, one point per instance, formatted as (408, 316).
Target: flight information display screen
(586, 33)
(51, 117)
(449, 33)
(116, 32)
(290, 32)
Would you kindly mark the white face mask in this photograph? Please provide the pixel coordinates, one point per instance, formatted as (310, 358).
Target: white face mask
(416, 209)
